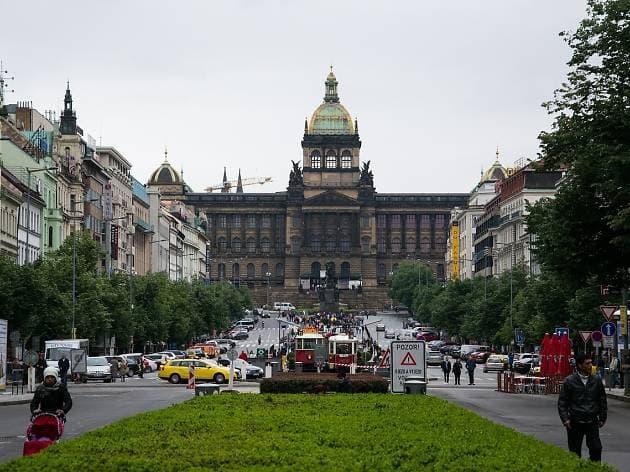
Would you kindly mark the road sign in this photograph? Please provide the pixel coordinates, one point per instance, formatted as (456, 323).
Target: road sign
(597, 336)
(608, 311)
(30, 358)
(407, 358)
(562, 332)
(385, 360)
(609, 328)
(597, 344)
(609, 341)
(232, 354)
(519, 336)
(585, 335)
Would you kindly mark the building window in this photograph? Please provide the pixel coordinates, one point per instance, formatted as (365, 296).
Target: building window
(236, 270)
(346, 160)
(331, 160)
(440, 221)
(315, 243)
(365, 245)
(345, 244)
(222, 243)
(395, 221)
(345, 270)
(330, 244)
(381, 272)
(365, 221)
(251, 221)
(265, 245)
(381, 222)
(264, 270)
(396, 245)
(280, 246)
(251, 271)
(236, 245)
(425, 245)
(316, 270)
(411, 245)
(411, 221)
(221, 269)
(266, 221)
(316, 160)
(279, 270)
(251, 245)
(236, 221)
(222, 221)
(381, 246)
(425, 222)
(439, 244)
(50, 236)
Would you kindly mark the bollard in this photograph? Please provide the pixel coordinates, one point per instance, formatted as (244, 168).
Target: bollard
(415, 387)
(268, 370)
(191, 377)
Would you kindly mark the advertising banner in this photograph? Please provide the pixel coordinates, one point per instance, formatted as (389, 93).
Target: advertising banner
(4, 330)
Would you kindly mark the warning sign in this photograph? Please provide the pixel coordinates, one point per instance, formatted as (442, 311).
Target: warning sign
(385, 360)
(407, 359)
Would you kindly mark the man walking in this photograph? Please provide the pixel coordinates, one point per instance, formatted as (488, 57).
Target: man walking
(614, 371)
(457, 371)
(446, 369)
(64, 366)
(583, 409)
(471, 365)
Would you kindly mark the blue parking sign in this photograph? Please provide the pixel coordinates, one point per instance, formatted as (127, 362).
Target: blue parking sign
(562, 332)
(609, 328)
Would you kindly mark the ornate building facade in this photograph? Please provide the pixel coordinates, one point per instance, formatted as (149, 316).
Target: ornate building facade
(280, 244)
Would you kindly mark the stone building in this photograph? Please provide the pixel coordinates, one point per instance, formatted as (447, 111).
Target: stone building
(331, 216)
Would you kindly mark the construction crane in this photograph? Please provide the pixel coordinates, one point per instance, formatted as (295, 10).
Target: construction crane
(227, 185)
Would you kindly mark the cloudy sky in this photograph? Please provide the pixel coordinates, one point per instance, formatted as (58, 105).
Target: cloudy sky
(436, 86)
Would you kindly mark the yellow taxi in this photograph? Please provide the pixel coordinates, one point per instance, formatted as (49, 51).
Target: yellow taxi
(176, 371)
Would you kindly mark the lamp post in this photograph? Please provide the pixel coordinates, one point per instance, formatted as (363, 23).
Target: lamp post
(511, 280)
(28, 207)
(268, 275)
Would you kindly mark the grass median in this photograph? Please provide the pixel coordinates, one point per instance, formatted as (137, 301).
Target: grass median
(361, 432)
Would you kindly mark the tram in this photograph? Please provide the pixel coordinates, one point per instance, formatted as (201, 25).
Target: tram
(309, 346)
(335, 353)
(342, 352)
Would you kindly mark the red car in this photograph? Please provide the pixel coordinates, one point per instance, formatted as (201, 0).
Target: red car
(427, 336)
(480, 357)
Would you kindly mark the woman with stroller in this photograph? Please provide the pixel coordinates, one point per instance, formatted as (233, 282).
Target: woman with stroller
(51, 396)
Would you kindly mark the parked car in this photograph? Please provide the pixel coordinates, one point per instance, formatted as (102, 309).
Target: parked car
(479, 357)
(380, 327)
(390, 334)
(98, 369)
(434, 357)
(252, 371)
(149, 365)
(226, 343)
(496, 362)
(158, 358)
(130, 369)
(179, 354)
(426, 336)
(467, 349)
(240, 334)
(176, 371)
(526, 362)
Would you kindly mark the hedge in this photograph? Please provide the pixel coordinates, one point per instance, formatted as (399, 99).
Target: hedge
(275, 433)
(321, 383)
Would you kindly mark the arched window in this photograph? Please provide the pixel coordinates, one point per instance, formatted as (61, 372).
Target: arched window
(425, 245)
(236, 245)
(346, 160)
(411, 245)
(251, 245)
(280, 246)
(236, 270)
(331, 160)
(330, 265)
(440, 272)
(381, 272)
(50, 236)
(345, 270)
(265, 245)
(222, 243)
(315, 270)
(280, 270)
(396, 245)
(365, 245)
(221, 268)
(251, 271)
(439, 244)
(316, 243)
(316, 160)
(381, 246)
(264, 270)
(344, 243)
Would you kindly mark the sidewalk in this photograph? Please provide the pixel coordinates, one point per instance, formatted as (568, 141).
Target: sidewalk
(617, 394)
(7, 399)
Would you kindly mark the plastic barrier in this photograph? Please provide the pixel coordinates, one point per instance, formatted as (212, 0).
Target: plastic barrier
(191, 378)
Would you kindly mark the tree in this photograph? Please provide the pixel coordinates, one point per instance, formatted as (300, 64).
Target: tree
(411, 280)
(583, 234)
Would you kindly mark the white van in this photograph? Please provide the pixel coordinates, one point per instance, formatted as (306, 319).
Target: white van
(283, 306)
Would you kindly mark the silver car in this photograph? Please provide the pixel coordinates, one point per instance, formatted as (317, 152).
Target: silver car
(434, 357)
(496, 363)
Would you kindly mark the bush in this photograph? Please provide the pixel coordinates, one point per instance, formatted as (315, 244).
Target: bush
(321, 383)
(277, 433)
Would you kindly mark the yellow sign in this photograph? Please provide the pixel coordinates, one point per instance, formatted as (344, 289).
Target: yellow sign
(310, 330)
(455, 251)
(623, 315)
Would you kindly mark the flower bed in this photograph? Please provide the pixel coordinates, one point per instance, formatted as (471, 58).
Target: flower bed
(276, 433)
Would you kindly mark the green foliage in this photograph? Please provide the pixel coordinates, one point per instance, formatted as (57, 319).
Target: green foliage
(37, 300)
(305, 432)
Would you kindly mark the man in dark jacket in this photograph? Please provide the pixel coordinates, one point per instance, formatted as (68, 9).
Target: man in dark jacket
(64, 366)
(51, 396)
(583, 409)
(40, 366)
(471, 365)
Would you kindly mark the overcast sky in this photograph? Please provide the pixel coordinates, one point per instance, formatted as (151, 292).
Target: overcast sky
(436, 86)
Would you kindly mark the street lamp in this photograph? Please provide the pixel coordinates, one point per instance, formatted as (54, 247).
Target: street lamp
(268, 274)
(28, 206)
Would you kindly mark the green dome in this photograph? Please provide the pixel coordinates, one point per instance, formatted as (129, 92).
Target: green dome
(331, 118)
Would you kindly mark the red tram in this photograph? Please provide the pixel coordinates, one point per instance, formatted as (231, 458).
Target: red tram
(338, 351)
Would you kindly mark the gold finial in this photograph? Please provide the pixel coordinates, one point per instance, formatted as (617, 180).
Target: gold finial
(330, 67)
(165, 154)
(497, 152)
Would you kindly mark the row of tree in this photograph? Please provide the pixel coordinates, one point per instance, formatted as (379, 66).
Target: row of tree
(37, 300)
(582, 235)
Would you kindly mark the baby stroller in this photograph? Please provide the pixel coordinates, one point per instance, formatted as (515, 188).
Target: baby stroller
(45, 429)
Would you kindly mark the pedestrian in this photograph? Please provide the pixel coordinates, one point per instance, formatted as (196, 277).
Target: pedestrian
(457, 371)
(142, 366)
(613, 368)
(40, 366)
(583, 408)
(64, 367)
(122, 370)
(51, 396)
(113, 368)
(510, 360)
(259, 339)
(446, 368)
(471, 365)
(243, 355)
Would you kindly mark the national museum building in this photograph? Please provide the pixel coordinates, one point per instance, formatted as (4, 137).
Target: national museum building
(279, 244)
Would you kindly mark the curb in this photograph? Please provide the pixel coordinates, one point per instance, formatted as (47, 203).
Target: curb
(619, 398)
(15, 402)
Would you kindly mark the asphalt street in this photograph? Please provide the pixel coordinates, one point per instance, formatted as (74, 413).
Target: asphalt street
(94, 406)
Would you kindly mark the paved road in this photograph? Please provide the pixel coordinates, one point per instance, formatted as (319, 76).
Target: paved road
(537, 415)
(94, 405)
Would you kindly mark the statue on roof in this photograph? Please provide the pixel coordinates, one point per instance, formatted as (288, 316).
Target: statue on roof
(295, 177)
(367, 177)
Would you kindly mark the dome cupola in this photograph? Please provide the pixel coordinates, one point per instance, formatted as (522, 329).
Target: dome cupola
(331, 117)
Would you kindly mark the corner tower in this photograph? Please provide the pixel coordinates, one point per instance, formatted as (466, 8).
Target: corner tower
(331, 147)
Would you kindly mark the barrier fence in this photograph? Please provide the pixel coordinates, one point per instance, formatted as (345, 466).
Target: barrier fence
(507, 382)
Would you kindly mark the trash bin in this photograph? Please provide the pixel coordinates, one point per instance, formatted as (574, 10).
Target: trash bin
(261, 353)
(415, 387)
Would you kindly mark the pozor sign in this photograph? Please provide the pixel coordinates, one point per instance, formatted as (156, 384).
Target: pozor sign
(407, 359)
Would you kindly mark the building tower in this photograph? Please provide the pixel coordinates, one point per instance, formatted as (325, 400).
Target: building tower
(68, 115)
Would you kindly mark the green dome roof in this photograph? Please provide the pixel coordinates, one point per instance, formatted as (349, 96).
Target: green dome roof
(331, 117)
